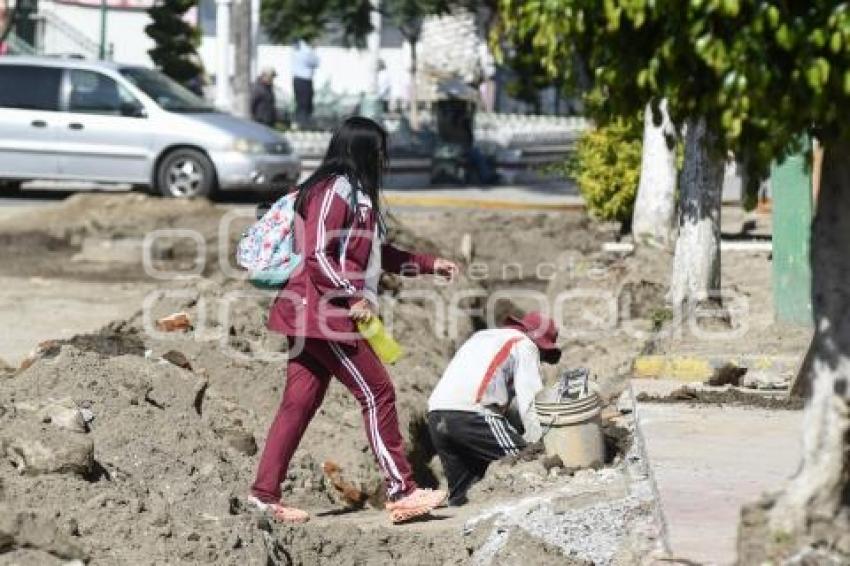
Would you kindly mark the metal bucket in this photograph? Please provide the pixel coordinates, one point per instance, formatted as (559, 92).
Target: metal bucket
(572, 430)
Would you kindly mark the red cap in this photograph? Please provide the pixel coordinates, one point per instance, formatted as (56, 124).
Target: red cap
(540, 328)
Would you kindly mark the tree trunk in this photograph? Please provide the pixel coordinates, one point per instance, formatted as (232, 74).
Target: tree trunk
(815, 507)
(652, 221)
(242, 55)
(696, 261)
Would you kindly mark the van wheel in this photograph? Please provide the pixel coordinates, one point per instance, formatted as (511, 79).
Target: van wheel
(185, 173)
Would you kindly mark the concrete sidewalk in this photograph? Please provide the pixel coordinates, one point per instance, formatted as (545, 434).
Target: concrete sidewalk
(709, 460)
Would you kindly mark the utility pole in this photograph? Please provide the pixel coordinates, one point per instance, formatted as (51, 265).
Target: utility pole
(103, 10)
(223, 94)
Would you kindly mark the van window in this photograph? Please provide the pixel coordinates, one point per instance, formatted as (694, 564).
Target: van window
(29, 87)
(95, 93)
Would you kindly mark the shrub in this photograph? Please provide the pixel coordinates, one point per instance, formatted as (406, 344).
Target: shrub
(606, 166)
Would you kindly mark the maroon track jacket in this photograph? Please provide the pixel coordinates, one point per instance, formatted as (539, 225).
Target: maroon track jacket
(335, 246)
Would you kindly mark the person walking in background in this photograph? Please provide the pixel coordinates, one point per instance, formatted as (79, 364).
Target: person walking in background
(344, 249)
(304, 64)
(262, 99)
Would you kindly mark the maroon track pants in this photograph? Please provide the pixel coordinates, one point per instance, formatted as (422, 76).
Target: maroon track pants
(308, 375)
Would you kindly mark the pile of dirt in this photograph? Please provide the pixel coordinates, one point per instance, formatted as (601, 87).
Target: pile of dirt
(91, 236)
(130, 445)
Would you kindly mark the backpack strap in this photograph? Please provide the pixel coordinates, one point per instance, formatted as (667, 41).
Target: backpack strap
(495, 363)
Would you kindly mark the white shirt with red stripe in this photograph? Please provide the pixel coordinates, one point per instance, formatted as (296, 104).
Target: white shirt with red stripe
(464, 385)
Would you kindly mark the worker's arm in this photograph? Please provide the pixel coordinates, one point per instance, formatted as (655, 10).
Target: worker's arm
(527, 384)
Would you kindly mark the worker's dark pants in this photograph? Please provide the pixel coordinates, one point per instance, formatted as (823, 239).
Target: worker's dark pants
(466, 443)
(303, 101)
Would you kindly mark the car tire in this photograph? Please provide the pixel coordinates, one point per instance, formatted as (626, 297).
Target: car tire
(185, 173)
(10, 188)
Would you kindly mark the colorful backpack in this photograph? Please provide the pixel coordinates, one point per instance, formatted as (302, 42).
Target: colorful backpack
(267, 249)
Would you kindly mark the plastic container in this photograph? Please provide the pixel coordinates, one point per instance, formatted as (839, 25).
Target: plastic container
(572, 431)
(388, 350)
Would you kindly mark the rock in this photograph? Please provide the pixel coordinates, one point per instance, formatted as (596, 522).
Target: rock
(520, 547)
(34, 450)
(27, 530)
(174, 322)
(727, 374)
(179, 359)
(238, 439)
(62, 413)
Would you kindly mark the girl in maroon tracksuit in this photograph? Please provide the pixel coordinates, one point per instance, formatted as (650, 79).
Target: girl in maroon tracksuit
(339, 233)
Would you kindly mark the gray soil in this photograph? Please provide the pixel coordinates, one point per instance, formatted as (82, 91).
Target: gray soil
(728, 396)
(112, 454)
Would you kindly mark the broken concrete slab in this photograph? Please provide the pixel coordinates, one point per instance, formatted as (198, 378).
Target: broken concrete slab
(707, 461)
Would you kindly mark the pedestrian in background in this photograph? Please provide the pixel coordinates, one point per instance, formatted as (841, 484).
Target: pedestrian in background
(262, 99)
(304, 64)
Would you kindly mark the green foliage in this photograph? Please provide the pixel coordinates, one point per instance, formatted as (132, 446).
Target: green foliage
(288, 20)
(760, 72)
(175, 52)
(606, 167)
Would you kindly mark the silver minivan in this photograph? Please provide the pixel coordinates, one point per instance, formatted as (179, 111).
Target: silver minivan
(71, 119)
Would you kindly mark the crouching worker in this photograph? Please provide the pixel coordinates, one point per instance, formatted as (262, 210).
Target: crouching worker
(466, 411)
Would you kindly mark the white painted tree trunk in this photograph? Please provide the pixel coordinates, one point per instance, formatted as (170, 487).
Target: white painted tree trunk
(696, 262)
(655, 206)
(818, 497)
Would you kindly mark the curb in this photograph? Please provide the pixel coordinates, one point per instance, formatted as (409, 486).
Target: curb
(455, 202)
(683, 368)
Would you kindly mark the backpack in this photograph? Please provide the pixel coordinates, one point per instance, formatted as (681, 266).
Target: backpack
(267, 248)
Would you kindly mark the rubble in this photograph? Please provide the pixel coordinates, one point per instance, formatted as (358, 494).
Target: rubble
(161, 473)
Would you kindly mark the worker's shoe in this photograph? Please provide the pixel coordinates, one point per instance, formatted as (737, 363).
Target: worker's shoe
(279, 512)
(419, 502)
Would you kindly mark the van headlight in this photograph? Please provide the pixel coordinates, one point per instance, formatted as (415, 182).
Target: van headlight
(243, 145)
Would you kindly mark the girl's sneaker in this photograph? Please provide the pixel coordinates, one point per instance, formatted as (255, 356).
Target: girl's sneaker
(279, 512)
(419, 502)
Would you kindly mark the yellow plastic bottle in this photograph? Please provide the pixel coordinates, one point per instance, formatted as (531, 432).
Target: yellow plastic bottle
(388, 350)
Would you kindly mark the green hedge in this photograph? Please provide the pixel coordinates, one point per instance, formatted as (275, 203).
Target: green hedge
(606, 166)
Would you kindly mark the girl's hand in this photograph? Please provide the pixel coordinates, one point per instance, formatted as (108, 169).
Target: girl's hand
(446, 268)
(361, 311)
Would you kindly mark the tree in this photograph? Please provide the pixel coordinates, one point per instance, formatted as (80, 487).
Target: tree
(655, 206)
(175, 52)
(751, 78)
(286, 21)
(408, 15)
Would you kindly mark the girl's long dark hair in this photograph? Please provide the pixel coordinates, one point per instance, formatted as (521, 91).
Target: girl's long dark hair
(358, 150)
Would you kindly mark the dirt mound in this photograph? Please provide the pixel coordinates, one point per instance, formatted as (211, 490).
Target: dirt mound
(727, 396)
(136, 446)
